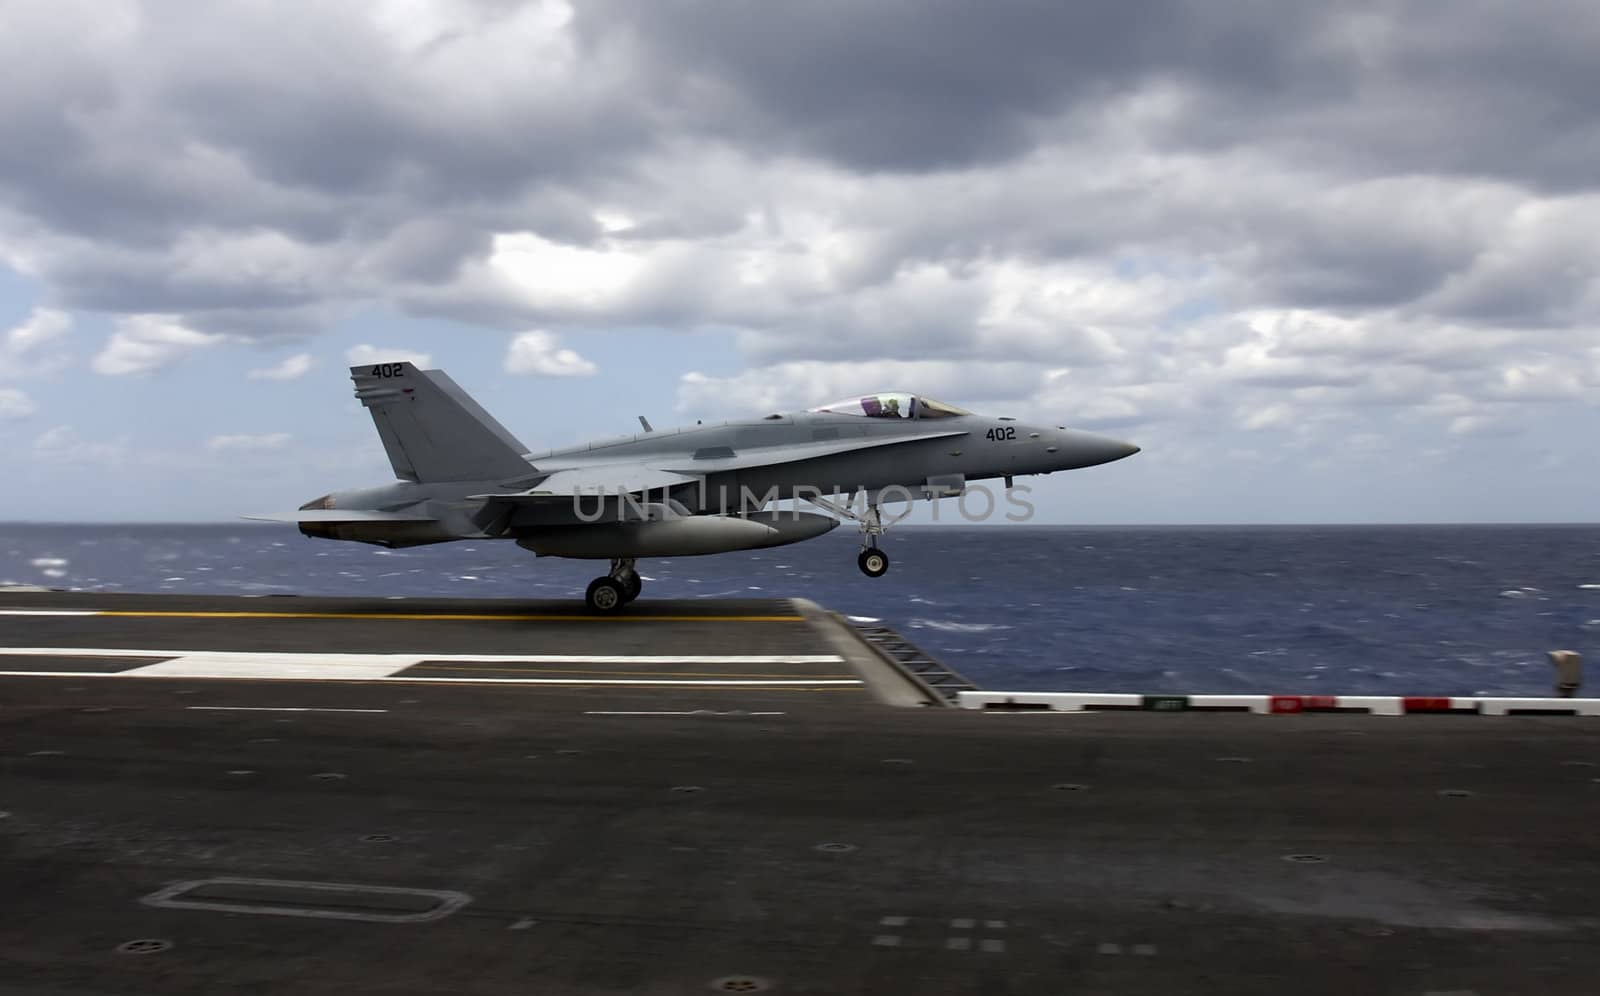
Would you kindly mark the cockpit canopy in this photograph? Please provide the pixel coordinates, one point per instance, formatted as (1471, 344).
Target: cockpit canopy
(893, 405)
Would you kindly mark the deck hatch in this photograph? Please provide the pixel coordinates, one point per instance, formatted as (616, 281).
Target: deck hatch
(323, 900)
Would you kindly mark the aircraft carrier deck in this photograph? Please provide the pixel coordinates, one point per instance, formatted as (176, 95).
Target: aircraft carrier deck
(206, 795)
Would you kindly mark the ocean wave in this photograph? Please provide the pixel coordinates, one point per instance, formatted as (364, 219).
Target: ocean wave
(48, 562)
(947, 626)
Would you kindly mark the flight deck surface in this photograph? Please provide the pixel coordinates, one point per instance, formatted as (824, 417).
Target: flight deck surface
(705, 796)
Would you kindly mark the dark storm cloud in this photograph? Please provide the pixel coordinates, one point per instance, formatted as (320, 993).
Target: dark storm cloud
(299, 119)
(293, 160)
(1478, 88)
(913, 86)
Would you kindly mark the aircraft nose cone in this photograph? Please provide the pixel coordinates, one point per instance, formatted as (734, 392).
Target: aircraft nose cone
(1087, 449)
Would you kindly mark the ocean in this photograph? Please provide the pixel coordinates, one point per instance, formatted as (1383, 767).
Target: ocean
(1413, 610)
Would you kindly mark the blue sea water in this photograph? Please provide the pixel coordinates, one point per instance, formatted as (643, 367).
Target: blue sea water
(1440, 610)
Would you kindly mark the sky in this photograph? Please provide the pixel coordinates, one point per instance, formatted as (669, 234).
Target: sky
(1323, 262)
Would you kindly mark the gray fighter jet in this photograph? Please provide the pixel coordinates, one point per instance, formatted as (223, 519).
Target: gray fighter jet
(678, 492)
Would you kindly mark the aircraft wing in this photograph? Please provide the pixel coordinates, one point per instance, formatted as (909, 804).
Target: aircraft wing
(639, 477)
(767, 456)
(339, 515)
(603, 479)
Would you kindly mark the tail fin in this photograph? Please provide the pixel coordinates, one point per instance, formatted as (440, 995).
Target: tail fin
(432, 430)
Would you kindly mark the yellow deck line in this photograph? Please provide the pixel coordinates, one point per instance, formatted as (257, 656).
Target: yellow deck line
(449, 617)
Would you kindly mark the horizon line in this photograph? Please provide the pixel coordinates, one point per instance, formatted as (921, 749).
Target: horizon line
(251, 524)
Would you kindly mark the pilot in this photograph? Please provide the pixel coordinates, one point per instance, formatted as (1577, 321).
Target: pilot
(891, 408)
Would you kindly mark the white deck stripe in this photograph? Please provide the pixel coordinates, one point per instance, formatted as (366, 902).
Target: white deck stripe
(334, 666)
(677, 712)
(275, 709)
(49, 612)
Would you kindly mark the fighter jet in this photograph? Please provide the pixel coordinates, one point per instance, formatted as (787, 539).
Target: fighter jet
(692, 490)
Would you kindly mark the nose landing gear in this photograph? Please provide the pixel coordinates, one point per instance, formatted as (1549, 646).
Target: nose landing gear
(874, 563)
(610, 593)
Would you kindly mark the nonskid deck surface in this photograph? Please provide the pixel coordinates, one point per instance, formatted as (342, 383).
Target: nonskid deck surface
(677, 839)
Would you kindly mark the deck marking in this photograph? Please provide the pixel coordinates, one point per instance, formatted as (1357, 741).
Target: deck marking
(633, 658)
(798, 684)
(405, 616)
(962, 923)
(895, 921)
(636, 682)
(428, 666)
(776, 686)
(229, 665)
(393, 667)
(958, 943)
(275, 709)
(993, 946)
(413, 658)
(175, 896)
(49, 612)
(886, 941)
(682, 712)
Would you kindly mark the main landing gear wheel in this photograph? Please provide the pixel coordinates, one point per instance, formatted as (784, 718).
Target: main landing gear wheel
(605, 595)
(632, 584)
(874, 563)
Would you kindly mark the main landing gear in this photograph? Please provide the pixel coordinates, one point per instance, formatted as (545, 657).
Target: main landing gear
(611, 592)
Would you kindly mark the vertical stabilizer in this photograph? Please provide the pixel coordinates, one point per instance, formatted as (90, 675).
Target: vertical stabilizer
(432, 430)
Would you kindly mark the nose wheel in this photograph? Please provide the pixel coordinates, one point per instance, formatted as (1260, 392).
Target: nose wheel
(610, 593)
(874, 563)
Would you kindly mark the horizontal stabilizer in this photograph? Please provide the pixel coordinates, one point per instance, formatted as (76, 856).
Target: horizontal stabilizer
(339, 515)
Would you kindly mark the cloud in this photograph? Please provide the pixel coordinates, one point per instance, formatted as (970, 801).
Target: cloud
(809, 383)
(1287, 221)
(539, 353)
(268, 441)
(28, 349)
(292, 368)
(63, 444)
(146, 343)
(363, 354)
(15, 404)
